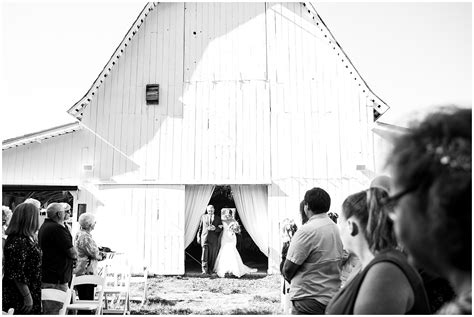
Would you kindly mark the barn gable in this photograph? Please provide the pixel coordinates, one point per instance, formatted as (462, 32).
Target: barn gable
(379, 105)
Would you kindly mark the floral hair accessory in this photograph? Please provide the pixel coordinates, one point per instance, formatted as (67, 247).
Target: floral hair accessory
(455, 155)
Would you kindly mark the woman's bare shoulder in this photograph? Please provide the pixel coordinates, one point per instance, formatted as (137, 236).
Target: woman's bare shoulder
(385, 290)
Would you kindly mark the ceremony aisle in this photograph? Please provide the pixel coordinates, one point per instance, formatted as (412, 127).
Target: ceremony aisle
(249, 295)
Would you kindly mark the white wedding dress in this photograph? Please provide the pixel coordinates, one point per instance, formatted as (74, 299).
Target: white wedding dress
(229, 260)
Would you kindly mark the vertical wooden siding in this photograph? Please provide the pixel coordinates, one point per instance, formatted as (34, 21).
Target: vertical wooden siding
(213, 118)
(224, 42)
(140, 140)
(145, 222)
(54, 161)
(319, 119)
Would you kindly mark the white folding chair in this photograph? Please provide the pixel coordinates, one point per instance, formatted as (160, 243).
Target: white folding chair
(117, 290)
(9, 312)
(92, 305)
(144, 281)
(57, 296)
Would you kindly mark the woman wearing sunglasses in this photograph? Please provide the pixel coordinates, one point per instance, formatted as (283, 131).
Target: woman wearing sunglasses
(432, 200)
(386, 284)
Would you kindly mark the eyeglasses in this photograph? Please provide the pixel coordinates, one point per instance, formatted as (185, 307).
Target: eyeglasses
(392, 201)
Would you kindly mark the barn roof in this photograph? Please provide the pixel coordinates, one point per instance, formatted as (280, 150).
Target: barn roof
(41, 135)
(379, 105)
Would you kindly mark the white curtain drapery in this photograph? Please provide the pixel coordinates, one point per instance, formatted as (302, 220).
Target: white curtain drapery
(196, 199)
(252, 205)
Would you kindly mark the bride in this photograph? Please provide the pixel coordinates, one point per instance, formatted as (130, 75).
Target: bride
(229, 260)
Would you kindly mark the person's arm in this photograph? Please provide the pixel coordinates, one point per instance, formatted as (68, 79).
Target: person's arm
(298, 251)
(72, 253)
(219, 226)
(289, 270)
(63, 241)
(27, 299)
(198, 238)
(17, 261)
(385, 290)
(284, 252)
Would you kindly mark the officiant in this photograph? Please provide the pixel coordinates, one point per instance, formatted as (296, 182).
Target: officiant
(208, 233)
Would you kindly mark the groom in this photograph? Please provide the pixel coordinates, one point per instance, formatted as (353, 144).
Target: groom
(208, 236)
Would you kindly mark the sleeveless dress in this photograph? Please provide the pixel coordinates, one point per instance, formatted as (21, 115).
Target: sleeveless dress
(229, 260)
(344, 301)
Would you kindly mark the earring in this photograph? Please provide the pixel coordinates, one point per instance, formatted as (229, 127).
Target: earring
(354, 229)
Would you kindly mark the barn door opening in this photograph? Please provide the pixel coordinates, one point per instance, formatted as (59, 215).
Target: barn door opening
(222, 197)
(13, 195)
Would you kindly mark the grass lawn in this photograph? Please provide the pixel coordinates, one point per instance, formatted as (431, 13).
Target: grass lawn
(192, 294)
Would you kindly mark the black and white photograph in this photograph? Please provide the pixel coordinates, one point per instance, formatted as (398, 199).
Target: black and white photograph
(236, 158)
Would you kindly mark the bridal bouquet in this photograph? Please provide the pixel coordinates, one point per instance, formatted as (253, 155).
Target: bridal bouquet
(234, 227)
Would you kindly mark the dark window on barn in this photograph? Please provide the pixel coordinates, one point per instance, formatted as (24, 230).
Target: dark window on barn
(152, 94)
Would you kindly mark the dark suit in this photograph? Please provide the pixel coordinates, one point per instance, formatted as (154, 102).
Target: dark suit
(209, 241)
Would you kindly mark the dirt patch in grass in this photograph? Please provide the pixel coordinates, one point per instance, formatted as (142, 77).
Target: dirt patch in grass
(184, 295)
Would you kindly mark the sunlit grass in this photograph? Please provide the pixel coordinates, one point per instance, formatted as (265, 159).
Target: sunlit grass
(184, 295)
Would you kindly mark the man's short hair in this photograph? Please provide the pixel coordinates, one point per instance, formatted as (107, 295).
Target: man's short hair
(318, 200)
(66, 206)
(53, 208)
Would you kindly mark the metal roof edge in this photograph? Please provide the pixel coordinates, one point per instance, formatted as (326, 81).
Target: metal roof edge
(40, 135)
(374, 97)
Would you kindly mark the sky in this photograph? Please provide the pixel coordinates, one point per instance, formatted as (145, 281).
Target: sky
(412, 55)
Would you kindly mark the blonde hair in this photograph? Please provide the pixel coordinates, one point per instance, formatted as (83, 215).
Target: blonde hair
(33, 201)
(25, 220)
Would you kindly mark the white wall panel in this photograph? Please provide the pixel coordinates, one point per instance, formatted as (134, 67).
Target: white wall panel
(54, 161)
(137, 221)
(224, 41)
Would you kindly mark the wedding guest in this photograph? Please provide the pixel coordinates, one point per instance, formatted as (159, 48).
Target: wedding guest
(67, 216)
(432, 186)
(21, 287)
(333, 216)
(350, 266)
(288, 231)
(387, 284)
(58, 255)
(437, 288)
(6, 216)
(88, 254)
(33, 201)
(304, 217)
(381, 181)
(312, 262)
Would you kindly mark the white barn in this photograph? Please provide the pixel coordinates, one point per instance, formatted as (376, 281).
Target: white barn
(259, 96)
